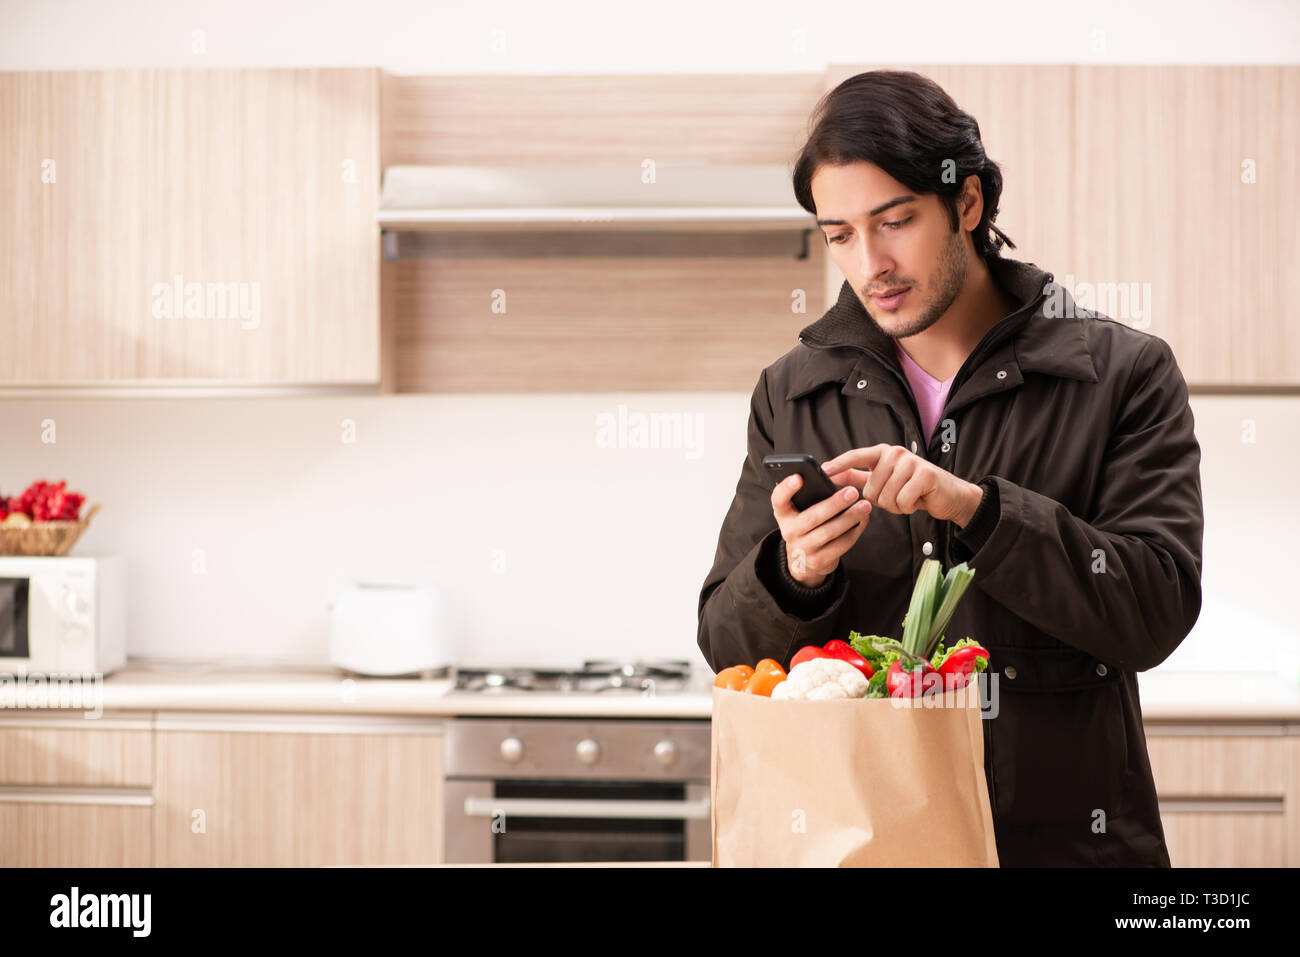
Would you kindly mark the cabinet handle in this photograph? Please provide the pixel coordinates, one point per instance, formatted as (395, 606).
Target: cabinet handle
(124, 797)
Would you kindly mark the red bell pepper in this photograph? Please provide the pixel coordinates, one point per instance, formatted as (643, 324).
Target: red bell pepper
(807, 653)
(958, 666)
(844, 652)
(903, 683)
(840, 650)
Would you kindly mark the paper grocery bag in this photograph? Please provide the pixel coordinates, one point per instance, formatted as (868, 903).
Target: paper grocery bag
(849, 782)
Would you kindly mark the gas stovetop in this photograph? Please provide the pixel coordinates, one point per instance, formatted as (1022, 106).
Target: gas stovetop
(644, 677)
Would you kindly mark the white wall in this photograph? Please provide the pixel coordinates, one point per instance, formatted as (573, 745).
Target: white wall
(758, 36)
(445, 488)
(546, 547)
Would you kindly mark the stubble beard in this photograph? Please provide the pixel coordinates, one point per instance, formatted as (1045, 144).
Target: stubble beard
(946, 281)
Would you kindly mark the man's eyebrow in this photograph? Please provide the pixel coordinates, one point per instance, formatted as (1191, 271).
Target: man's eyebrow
(896, 201)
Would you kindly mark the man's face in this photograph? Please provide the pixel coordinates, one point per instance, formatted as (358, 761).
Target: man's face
(880, 244)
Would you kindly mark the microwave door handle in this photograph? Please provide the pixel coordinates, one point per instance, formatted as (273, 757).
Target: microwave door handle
(560, 807)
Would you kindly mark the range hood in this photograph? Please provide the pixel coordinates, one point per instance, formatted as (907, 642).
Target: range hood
(735, 198)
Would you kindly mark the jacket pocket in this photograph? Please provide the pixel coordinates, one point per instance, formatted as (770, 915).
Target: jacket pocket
(1058, 739)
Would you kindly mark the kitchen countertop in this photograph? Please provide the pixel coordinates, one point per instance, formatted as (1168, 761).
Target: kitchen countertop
(1219, 696)
(138, 688)
(1166, 696)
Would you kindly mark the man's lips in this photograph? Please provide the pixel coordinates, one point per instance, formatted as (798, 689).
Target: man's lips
(889, 293)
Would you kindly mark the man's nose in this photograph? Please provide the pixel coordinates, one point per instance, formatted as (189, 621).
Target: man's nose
(873, 263)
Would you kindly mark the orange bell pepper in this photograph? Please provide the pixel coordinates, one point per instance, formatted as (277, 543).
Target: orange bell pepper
(762, 682)
(734, 678)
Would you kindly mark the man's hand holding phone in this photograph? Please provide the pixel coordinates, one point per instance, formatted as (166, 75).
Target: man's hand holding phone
(816, 538)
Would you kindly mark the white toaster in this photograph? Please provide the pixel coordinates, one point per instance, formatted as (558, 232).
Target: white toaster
(384, 630)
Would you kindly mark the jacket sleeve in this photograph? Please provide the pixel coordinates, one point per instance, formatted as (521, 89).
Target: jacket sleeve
(1124, 586)
(747, 611)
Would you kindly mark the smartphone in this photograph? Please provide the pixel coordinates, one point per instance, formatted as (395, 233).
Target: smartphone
(816, 486)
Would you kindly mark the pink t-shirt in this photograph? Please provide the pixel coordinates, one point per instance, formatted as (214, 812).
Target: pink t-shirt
(929, 392)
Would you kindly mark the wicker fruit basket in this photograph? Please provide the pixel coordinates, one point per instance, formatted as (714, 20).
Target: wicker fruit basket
(42, 538)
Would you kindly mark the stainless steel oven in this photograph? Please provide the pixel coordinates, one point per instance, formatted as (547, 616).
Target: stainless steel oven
(569, 790)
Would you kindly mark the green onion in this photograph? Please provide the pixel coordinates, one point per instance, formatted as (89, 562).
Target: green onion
(921, 610)
(954, 586)
(934, 599)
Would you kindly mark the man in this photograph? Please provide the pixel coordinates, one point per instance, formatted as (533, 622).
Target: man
(987, 419)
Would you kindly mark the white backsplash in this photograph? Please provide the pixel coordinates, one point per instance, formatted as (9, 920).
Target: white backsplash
(549, 542)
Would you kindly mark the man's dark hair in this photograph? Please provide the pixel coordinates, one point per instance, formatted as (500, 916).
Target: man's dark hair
(907, 125)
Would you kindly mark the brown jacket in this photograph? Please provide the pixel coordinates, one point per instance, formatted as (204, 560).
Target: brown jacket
(1086, 549)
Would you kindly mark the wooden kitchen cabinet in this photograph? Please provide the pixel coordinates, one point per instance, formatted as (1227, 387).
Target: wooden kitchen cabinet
(57, 749)
(273, 791)
(1229, 795)
(1162, 194)
(42, 830)
(76, 792)
(1020, 108)
(252, 192)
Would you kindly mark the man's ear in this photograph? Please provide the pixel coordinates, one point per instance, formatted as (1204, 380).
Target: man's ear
(971, 202)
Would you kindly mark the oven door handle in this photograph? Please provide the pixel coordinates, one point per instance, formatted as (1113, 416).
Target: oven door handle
(560, 807)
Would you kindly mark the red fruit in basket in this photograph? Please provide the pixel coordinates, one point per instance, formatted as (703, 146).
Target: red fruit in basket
(44, 501)
(72, 507)
(41, 506)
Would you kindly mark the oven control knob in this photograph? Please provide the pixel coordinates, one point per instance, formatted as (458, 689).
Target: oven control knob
(666, 753)
(588, 751)
(512, 750)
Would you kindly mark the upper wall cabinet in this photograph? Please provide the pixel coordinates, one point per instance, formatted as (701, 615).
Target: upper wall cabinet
(1025, 122)
(189, 227)
(1186, 193)
(1164, 197)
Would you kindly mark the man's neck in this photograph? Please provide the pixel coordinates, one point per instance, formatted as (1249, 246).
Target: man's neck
(981, 304)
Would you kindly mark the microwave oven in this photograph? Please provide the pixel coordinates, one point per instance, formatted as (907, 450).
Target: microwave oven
(62, 615)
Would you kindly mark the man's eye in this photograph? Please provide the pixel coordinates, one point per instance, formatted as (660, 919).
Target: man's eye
(842, 237)
(898, 224)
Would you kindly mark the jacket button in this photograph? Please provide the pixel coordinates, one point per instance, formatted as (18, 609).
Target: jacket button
(1002, 373)
(927, 548)
(1101, 669)
(945, 447)
(862, 383)
(1009, 671)
(913, 446)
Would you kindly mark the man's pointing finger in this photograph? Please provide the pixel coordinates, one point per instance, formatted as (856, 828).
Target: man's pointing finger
(855, 458)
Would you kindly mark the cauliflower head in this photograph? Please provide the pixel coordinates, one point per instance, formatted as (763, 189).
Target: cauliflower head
(821, 679)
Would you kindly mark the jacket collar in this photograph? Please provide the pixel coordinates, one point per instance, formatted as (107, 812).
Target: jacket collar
(1034, 338)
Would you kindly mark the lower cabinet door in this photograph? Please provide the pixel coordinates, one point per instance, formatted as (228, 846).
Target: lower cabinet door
(1228, 794)
(70, 828)
(1201, 834)
(297, 791)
